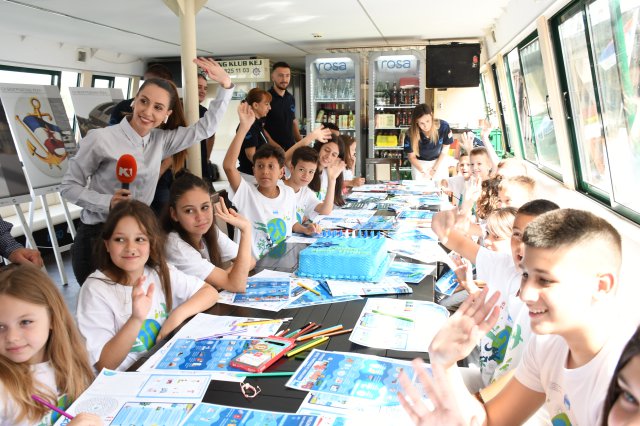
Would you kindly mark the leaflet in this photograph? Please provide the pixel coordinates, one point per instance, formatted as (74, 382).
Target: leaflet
(398, 324)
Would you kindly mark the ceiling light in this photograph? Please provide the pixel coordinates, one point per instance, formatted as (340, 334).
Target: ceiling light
(316, 35)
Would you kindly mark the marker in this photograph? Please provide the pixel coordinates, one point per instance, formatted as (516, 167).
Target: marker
(260, 322)
(271, 374)
(306, 346)
(320, 332)
(392, 315)
(306, 287)
(39, 400)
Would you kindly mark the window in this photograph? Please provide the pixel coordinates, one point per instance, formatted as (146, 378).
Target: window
(102, 81)
(124, 84)
(17, 75)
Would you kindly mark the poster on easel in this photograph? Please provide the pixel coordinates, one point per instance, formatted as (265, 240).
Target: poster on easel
(93, 106)
(41, 131)
(13, 183)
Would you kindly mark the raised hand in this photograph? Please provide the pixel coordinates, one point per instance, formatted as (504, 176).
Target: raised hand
(214, 71)
(462, 331)
(321, 134)
(447, 410)
(463, 272)
(335, 168)
(467, 141)
(246, 115)
(141, 302)
(232, 217)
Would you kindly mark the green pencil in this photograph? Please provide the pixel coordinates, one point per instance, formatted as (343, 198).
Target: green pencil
(273, 374)
(392, 315)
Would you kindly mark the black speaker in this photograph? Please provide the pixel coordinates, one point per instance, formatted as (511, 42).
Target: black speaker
(453, 65)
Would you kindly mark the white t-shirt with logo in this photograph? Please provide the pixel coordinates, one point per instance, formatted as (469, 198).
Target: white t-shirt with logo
(272, 218)
(104, 307)
(306, 203)
(196, 262)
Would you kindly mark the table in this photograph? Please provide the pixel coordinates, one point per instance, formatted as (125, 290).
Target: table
(274, 395)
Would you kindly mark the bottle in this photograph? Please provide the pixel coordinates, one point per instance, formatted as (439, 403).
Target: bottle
(398, 118)
(320, 116)
(351, 121)
(387, 94)
(393, 95)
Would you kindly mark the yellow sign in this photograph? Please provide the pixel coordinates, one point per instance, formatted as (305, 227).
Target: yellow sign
(247, 70)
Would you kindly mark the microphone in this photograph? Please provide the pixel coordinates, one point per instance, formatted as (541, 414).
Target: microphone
(126, 170)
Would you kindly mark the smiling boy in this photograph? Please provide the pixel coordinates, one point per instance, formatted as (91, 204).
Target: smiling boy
(269, 205)
(570, 277)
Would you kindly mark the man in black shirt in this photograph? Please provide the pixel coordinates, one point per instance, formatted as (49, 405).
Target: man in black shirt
(281, 124)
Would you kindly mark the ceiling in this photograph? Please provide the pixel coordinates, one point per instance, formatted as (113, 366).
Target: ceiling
(279, 30)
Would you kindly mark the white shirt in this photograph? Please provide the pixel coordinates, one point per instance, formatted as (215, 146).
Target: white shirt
(324, 184)
(104, 307)
(573, 396)
(197, 262)
(456, 186)
(90, 180)
(306, 203)
(501, 349)
(272, 218)
(44, 374)
(347, 174)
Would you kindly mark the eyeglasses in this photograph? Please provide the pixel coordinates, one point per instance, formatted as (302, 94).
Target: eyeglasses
(249, 391)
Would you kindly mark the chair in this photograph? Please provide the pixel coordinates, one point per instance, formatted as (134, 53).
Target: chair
(389, 161)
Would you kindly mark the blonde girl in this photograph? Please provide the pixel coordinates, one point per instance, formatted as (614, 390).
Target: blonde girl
(195, 244)
(134, 297)
(41, 351)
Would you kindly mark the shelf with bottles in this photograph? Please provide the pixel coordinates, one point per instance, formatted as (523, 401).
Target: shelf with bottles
(331, 89)
(340, 114)
(390, 148)
(392, 95)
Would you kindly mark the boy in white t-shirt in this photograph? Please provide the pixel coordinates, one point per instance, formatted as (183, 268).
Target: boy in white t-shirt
(454, 186)
(501, 349)
(269, 204)
(570, 278)
(304, 164)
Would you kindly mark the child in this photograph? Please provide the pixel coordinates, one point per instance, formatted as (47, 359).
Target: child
(151, 134)
(569, 282)
(515, 191)
(488, 200)
(304, 162)
(134, 298)
(481, 165)
(511, 167)
(454, 186)
(621, 405)
(41, 351)
(350, 160)
(500, 351)
(195, 245)
(269, 205)
(328, 154)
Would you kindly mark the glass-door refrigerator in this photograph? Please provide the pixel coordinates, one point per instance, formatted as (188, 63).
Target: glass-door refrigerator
(396, 85)
(333, 95)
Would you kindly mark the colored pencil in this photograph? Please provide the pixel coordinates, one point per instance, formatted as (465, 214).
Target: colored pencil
(306, 287)
(392, 315)
(306, 329)
(39, 400)
(291, 334)
(337, 333)
(282, 332)
(306, 346)
(270, 374)
(259, 322)
(320, 333)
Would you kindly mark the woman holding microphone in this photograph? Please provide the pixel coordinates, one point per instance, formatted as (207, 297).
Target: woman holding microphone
(424, 142)
(155, 130)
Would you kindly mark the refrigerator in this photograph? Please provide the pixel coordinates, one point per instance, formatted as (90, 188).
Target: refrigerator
(396, 85)
(333, 96)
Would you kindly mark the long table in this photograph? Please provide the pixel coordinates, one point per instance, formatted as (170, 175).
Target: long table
(274, 395)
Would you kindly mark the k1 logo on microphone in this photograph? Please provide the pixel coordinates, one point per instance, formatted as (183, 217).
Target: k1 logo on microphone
(125, 172)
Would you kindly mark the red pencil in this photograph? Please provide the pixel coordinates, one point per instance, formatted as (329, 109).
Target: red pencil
(305, 329)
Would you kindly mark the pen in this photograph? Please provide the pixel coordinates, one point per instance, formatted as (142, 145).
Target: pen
(306, 346)
(37, 399)
(306, 287)
(320, 332)
(271, 374)
(392, 315)
(259, 322)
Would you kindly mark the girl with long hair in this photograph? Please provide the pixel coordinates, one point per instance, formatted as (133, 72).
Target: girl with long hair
(329, 153)
(195, 244)
(135, 297)
(41, 350)
(152, 133)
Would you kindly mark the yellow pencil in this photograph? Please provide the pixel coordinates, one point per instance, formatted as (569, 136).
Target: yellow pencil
(320, 333)
(306, 346)
(306, 287)
(245, 324)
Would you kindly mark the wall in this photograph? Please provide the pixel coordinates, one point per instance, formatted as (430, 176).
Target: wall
(41, 53)
(460, 107)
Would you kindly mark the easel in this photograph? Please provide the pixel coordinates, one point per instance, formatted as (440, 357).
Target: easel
(16, 201)
(57, 250)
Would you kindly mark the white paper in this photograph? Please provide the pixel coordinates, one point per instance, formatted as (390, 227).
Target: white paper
(399, 324)
(393, 285)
